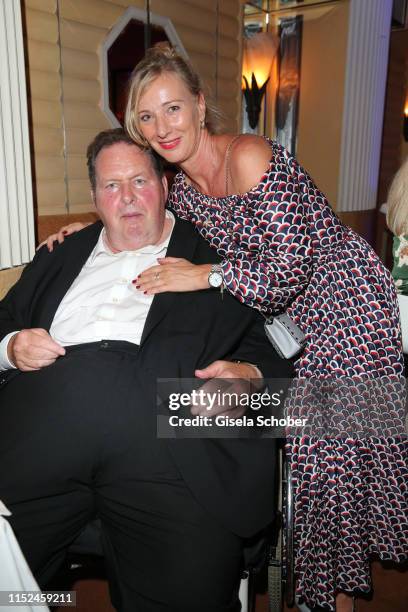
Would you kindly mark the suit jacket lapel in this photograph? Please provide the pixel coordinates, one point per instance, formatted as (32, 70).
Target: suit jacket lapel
(80, 247)
(182, 244)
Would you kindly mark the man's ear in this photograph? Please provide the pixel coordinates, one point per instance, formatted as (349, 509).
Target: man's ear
(165, 186)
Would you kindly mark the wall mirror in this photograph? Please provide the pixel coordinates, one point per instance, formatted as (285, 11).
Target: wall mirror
(123, 47)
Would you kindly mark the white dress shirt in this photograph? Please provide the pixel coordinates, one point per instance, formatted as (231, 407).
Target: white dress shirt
(102, 303)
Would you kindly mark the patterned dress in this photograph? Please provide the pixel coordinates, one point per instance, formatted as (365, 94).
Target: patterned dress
(284, 248)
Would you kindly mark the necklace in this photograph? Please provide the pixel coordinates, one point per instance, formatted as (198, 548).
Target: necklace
(217, 180)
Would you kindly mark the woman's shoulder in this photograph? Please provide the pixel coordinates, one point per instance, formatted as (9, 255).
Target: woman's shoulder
(250, 159)
(249, 147)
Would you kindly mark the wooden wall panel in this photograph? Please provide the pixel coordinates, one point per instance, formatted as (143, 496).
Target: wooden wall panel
(137, 3)
(100, 13)
(45, 85)
(227, 26)
(81, 36)
(227, 71)
(230, 48)
(47, 141)
(84, 116)
(47, 6)
(46, 113)
(80, 195)
(229, 64)
(231, 7)
(80, 64)
(202, 18)
(227, 7)
(77, 168)
(197, 40)
(52, 195)
(42, 26)
(78, 140)
(81, 90)
(42, 56)
(49, 167)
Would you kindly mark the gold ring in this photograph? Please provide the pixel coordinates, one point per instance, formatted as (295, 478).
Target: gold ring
(157, 276)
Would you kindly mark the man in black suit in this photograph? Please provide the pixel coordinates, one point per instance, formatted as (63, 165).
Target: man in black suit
(82, 349)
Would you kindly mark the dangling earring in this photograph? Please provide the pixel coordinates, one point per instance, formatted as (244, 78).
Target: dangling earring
(202, 124)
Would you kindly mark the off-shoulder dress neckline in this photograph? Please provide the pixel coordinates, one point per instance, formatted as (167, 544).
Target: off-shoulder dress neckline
(181, 180)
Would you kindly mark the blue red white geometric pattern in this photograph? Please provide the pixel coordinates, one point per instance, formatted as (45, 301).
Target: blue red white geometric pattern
(283, 248)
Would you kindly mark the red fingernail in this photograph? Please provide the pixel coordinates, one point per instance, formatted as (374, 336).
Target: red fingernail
(144, 292)
(65, 232)
(137, 286)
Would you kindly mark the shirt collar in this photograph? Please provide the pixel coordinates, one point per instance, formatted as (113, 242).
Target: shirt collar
(150, 249)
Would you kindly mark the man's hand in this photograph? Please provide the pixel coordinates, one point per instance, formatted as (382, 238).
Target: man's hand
(32, 349)
(247, 376)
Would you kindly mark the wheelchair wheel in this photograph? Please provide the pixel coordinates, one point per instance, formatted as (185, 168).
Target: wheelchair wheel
(288, 573)
(275, 583)
(275, 576)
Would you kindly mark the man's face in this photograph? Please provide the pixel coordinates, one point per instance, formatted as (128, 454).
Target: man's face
(129, 197)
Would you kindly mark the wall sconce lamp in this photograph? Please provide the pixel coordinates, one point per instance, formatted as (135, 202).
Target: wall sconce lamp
(253, 97)
(405, 124)
(259, 55)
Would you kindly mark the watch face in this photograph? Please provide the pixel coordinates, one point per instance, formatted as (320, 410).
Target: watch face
(215, 279)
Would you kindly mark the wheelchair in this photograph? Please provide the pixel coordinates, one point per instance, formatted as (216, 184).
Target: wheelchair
(281, 571)
(278, 551)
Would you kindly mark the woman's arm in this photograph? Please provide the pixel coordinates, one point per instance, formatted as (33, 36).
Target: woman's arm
(273, 264)
(64, 231)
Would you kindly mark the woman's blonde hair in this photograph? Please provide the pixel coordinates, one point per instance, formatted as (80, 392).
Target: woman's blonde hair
(397, 202)
(158, 59)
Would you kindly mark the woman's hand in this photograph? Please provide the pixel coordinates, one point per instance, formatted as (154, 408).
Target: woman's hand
(66, 230)
(173, 274)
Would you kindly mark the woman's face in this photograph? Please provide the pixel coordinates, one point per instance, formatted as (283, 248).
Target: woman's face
(169, 117)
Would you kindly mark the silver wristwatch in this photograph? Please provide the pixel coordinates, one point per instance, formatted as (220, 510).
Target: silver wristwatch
(216, 277)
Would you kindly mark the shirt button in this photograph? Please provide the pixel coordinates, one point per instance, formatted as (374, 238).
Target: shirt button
(115, 300)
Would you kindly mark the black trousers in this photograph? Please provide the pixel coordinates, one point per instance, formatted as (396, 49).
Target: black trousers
(77, 442)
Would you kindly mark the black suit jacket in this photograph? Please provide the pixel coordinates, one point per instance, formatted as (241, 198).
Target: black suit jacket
(233, 479)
